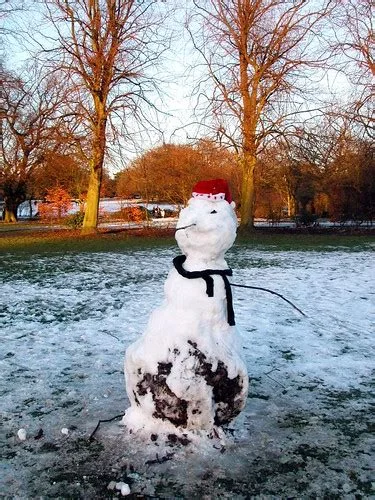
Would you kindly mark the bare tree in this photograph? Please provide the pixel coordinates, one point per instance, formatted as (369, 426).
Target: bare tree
(325, 168)
(354, 28)
(359, 43)
(7, 9)
(255, 52)
(28, 127)
(109, 50)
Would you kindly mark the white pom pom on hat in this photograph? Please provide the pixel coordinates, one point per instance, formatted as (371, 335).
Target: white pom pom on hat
(212, 190)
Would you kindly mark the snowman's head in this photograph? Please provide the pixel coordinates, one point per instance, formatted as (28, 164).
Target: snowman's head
(206, 228)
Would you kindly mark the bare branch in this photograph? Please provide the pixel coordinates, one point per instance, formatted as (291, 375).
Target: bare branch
(257, 54)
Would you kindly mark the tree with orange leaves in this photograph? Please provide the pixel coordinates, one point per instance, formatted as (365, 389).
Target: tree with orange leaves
(57, 204)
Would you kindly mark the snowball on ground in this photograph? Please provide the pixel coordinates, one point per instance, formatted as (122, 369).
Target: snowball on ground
(22, 434)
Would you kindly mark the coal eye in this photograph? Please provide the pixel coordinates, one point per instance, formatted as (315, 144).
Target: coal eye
(213, 212)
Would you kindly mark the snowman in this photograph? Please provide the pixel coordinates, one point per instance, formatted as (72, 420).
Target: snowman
(185, 373)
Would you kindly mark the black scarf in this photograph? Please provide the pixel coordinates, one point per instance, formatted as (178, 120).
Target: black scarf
(206, 275)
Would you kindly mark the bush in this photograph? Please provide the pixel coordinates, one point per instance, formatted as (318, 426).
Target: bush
(306, 219)
(133, 213)
(57, 203)
(75, 221)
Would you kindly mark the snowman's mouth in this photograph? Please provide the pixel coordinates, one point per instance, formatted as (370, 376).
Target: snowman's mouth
(185, 227)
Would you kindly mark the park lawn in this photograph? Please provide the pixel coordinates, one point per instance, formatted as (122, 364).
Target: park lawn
(27, 239)
(70, 307)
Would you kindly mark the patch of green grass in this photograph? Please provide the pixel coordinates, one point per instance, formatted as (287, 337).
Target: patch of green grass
(294, 420)
(51, 242)
(307, 451)
(34, 239)
(288, 355)
(329, 241)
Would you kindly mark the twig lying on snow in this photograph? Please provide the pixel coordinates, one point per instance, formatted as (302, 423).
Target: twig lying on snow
(161, 460)
(101, 422)
(270, 291)
(111, 334)
(267, 374)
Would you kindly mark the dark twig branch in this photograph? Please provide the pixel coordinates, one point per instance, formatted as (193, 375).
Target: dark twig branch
(111, 335)
(101, 422)
(273, 293)
(267, 374)
(161, 460)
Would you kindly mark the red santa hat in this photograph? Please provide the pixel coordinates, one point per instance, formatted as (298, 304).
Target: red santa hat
(212, 190)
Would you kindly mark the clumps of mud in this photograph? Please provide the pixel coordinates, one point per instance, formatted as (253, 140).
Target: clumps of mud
(226, 392)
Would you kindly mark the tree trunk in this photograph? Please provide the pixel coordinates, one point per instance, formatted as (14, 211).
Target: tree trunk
(90, 220)
(247, 195)
(10, 208)
(30, 209)
(249, 151)
(289, 205)
(14, 195)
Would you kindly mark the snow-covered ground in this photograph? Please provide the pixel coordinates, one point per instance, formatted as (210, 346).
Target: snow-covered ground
(108, 206)
(306, 432)
(29, 209)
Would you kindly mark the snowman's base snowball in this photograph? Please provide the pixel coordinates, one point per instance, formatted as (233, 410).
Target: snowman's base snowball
(226, 392)
(167, 406)
(187, 391)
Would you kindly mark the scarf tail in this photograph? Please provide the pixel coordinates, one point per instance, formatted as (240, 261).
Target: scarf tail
(207, 276)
